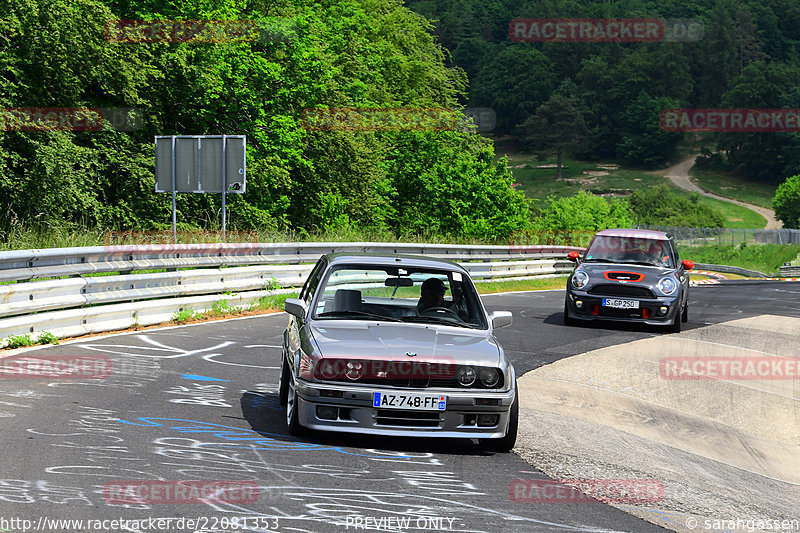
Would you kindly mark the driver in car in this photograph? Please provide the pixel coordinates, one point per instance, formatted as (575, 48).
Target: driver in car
(432, 296)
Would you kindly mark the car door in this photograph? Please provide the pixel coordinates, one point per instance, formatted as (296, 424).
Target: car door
(296, 338)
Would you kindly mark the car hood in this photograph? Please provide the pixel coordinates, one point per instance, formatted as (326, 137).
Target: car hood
(615, 273)
(390, 341)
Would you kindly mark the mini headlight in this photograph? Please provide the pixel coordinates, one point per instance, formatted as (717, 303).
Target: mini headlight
(667, 285)
(466, 376)
(354, 370)
(580, 279)
(489, 377)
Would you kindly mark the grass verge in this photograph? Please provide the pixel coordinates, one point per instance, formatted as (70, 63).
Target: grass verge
(755, 193)
(601, 178)
(522, 285)
(736, 216)
(221, 309)
(766, 258)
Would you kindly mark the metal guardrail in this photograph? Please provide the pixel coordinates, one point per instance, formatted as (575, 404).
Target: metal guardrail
(57, 262)
(729, 236)
(730, 270)
(790, 271)
(78, 304)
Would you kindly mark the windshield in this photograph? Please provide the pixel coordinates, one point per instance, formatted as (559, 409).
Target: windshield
(399, 295)
(631, 250)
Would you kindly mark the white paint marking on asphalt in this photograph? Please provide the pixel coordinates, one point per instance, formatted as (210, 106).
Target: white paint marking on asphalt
(210, 359)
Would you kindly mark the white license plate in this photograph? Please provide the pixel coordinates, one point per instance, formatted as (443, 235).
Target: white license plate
(620, 304)
(409, 400)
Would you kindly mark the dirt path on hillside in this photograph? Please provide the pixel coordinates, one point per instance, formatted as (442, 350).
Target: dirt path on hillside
(679, 175)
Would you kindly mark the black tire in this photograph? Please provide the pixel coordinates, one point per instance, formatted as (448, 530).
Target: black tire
(283, 387)
(675, 327)
(505, 444)
(292, 419)
(685, 313)
(567, 320)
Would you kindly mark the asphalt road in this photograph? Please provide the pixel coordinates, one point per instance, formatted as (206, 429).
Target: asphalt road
(199, 403)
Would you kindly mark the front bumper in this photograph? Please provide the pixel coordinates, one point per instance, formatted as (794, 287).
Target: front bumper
(355, 413)
(594, 303)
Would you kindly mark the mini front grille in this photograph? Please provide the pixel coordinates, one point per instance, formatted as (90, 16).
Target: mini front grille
(392, 417)
(631, 291)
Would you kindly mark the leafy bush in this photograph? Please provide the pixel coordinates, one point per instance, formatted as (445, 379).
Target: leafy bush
(787, 202)
(46, 337)
(659, 206)
(19, 341)
(184, 316)
(583, 211)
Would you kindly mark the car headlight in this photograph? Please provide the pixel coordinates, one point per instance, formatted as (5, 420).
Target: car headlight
(489, 377)
(466, 376)
(667, 285)
(306, 366)
(580, 279)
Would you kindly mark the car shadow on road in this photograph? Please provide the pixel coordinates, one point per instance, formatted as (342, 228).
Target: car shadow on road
(557, 319)
(267, 416)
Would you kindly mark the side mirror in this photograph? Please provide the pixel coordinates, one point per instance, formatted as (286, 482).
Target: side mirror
(688, 265)
(295, 307)
(575, 257)
(500, 319)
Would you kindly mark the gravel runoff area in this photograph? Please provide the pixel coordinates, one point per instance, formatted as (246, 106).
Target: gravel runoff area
(723, 449)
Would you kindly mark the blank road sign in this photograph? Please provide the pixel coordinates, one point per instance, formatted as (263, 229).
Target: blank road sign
(187, 165)
(211, 157)
(199, 163)
(236, 159)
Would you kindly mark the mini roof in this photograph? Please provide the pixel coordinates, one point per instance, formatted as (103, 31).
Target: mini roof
(634, 234)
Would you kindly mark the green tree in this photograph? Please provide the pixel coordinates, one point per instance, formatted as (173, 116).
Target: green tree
(557, 126)
(514, 83)
(643, 142)
(786, 202)
(764, 156)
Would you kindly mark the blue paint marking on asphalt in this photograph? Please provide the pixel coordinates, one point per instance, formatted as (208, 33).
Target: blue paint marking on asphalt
(201, 378)
(231, 433)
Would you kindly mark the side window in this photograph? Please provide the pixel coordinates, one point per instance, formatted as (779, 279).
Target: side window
(675, 252)
(313, 280)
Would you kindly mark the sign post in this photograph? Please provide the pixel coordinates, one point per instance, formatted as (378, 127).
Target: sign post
(201, 164)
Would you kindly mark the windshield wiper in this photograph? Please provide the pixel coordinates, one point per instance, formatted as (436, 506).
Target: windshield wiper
(358, 313)
(645, 263)
(448, 321)
(595, 260)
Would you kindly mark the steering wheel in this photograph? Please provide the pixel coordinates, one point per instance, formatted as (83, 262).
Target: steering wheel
(446, 310)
